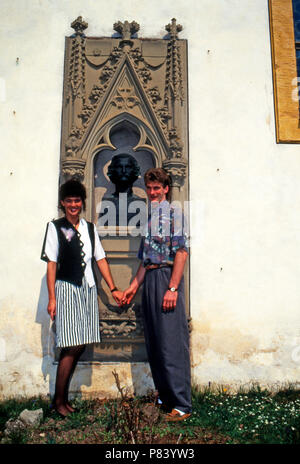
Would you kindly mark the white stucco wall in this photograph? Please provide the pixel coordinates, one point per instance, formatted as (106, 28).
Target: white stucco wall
(245, 256)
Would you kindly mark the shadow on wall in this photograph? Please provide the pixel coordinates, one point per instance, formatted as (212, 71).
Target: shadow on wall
(138, 376)
(49, 366)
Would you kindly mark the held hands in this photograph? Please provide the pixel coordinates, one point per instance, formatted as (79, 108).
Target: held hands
(123, 298)
(128, 294)
(117, 296)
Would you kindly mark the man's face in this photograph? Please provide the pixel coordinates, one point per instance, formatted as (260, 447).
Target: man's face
(156, 191)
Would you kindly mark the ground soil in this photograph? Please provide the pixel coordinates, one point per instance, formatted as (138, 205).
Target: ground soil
(89, 430)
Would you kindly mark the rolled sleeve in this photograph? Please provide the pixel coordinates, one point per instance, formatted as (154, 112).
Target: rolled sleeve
(179, 243)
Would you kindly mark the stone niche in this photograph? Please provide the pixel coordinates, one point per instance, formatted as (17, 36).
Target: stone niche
(123, 95)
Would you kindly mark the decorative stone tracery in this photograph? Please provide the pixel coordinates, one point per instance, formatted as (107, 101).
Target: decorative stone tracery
(158, 71)
(116, 82)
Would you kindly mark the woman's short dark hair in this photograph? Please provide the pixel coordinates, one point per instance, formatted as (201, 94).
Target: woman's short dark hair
(161, 176)
(71, 188)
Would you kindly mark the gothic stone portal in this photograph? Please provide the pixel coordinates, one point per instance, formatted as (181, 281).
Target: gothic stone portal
(123, 95)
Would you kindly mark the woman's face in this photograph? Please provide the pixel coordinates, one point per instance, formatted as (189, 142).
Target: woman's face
(73, 206)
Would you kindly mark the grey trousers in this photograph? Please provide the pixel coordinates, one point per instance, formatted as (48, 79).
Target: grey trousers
(167, 341)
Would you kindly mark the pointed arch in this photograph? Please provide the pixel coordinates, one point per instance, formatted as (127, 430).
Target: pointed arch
(110, 85)
(149, 141)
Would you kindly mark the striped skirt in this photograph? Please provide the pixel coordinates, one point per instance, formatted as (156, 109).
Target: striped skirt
(77, 314)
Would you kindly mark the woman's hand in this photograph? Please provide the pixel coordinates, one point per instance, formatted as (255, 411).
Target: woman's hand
(52, 308)
(117, 296)
(106, 274)
(51, 273)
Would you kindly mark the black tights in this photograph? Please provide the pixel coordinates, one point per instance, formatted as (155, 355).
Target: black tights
(66, 366)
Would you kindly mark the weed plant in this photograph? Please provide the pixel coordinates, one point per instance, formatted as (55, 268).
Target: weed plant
(256, 416)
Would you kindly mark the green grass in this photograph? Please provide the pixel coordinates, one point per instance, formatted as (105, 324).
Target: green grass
(256, 416)
(253, 417)
(11, 408)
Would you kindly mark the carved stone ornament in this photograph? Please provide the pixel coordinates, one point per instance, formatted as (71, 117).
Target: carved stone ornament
(79, 25)
(126, 29)
(177, 170)
(125, 99)
(73, 169)
(142, 79)
(110, 84)
(118, 329)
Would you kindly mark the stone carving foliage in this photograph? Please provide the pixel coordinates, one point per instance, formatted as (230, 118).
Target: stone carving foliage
(126, 29)
(174, 60)
(125, 99)
(118, 82)
(73, 168)
(157, 73)
(121, 329)
(99, 89)
(73, 141)
(79, 25)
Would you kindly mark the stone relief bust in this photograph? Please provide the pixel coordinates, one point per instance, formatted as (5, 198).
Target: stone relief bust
(123, 171)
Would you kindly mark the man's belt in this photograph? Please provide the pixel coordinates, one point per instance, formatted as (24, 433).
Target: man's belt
(157, 266)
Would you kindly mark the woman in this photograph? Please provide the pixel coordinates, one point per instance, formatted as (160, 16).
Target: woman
(70, 244)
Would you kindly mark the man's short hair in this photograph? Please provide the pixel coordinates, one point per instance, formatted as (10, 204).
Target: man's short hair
(159, 175)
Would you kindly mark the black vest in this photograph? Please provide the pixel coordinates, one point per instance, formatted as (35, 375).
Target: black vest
(70, 261)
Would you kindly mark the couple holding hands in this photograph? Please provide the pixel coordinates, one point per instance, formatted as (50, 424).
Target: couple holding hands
(69, 245)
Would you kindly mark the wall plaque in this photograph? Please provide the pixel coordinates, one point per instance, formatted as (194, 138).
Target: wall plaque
(124, 111)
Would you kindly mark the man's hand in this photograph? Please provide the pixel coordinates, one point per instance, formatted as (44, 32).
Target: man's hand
(117, 296)
(169, 301)
(52, 308)
(137, 281)
(128, 294)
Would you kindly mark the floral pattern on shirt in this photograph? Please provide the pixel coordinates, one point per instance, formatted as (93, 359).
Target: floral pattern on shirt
(165, 234)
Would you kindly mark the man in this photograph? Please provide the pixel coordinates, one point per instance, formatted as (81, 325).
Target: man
(163, 252)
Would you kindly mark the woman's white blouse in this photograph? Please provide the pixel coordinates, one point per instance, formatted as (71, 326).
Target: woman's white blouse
(51, 247)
